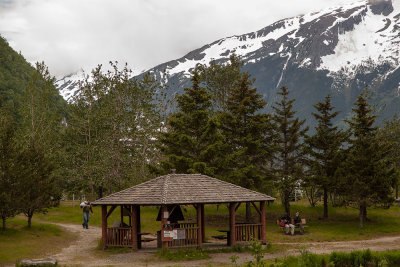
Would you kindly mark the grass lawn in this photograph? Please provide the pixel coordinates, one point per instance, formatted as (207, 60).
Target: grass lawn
(342, 225)
(18, 242)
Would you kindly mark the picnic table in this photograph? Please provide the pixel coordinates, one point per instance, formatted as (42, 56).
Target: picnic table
(228, 236)
(140, 240)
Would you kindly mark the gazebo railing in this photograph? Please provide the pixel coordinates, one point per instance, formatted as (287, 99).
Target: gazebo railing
(247, 232)
(189, 240)
(187, 225)
(119, 237)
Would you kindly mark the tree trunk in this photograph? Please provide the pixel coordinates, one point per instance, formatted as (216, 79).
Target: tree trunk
(287, 204)
(365, 213)
(29, 215)
(361, 216)
(397, 191)
(248, 212)
(4, 222)
(325, 203)
(100, 192)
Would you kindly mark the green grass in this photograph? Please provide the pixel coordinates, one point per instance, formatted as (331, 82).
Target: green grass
(342, 224)
(19, 242)
(182, 254)
(336, 259)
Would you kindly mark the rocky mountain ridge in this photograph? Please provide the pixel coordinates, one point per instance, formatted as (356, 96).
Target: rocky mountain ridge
(337, 50)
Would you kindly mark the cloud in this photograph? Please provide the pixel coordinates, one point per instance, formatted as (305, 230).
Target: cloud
(73, 34)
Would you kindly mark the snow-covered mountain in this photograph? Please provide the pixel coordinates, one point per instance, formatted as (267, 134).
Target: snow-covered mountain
(68, 85)
(337, 50)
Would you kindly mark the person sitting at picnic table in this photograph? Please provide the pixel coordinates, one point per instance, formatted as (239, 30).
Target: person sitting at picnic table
(287, 221)
(297, 222)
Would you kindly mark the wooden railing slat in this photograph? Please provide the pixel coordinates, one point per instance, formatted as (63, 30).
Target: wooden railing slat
(247, 232)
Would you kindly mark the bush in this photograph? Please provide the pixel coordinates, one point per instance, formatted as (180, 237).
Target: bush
(364, 258)
(355, 258)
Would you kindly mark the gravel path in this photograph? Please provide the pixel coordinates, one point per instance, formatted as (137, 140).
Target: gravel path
(82, 251)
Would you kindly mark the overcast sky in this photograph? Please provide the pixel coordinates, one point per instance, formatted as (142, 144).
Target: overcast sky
(73, 34)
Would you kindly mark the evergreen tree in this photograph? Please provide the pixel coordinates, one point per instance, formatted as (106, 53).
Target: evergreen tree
(192, 143)
(390, 133)
(368, 174)
(248, 134)
(324, 147)
(289, 156)
(219, 79)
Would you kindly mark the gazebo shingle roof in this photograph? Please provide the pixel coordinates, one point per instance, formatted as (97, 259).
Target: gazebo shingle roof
(182, 189)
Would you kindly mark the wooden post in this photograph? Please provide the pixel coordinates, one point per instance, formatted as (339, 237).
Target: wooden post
(263, 223)
(232, 215)
(104, 225)
(203, 226)
(134, 228)
(122, 215)
(139, 229)
(199, 226)
(164, 223)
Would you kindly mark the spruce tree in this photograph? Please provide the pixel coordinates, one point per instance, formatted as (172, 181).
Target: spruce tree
(323, 148)
(219, 79)
(390, 133)
(248, 134)
(191, 143)
(288, 158)
(367, 172)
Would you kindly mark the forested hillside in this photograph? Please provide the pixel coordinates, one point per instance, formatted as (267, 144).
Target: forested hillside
(31, 115)
(15, 74)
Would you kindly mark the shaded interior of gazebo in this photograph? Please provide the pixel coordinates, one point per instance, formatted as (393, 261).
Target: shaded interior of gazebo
(170, 192)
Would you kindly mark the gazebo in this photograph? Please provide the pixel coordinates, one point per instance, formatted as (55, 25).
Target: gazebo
(171, 191)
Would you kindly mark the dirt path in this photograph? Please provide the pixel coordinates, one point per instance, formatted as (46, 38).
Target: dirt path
(376, 244)
(82, 252)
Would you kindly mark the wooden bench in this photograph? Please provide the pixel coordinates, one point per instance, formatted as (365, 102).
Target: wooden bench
(303, 222)
(220, 237)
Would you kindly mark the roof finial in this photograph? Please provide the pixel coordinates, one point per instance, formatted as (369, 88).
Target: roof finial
(173, 171)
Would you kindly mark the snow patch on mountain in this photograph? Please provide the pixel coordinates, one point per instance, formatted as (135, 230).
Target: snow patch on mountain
(69, 85)
(239, 45)
(341, 41)
(376, 39)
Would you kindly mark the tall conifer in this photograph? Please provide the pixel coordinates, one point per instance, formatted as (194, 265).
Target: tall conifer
(367, 171)
(191, 143)
(289, 156)
(323, 148)
(248, 133)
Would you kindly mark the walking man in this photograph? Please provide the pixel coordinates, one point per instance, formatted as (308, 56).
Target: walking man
(86, 209)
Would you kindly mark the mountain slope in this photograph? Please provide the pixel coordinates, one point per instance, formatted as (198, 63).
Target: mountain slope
(15, 73)
(337, 51)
